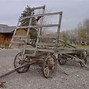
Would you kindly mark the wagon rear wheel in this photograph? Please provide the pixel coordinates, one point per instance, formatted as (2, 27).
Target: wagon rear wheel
(19, 61)
(62, 59)
(82, 54)
(49, 66)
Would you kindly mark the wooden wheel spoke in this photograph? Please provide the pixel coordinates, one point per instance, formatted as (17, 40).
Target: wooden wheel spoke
(19, 61)
(46, 71)
(49, 66)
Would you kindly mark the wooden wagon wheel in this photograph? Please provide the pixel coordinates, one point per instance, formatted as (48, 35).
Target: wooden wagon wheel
(18, 61)
(49, 66)
(82, 54)
(62, 59)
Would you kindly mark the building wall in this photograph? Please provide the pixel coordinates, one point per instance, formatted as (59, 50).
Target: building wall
(5, 37)
(2, 38)
(21, 32)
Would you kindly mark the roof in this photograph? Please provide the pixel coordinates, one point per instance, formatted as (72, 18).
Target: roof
(6, 28)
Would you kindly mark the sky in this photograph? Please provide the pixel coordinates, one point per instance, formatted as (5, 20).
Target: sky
(74, 11)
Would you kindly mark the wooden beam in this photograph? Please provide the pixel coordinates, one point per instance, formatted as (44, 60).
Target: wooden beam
(39, 26)
(51, 37)
(45, 14)
(15, 69)
(18, 36)
(67, 43)
(15, 42)
(40, 7)
(46, 50)
(46, 44)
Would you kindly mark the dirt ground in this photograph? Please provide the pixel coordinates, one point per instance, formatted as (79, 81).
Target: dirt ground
(78, 77)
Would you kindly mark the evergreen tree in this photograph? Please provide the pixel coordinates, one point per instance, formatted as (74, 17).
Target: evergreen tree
(25, 22)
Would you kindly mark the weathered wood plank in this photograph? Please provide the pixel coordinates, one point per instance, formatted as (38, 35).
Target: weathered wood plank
(39, 26)
(46, 14)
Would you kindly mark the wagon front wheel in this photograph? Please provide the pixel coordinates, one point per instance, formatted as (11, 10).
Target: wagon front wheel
(19, 61)
(49, 66)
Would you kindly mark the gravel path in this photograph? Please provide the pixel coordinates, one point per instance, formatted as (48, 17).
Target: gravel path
(78, 78)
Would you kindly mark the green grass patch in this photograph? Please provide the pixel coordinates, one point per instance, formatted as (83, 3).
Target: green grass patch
(82, 47)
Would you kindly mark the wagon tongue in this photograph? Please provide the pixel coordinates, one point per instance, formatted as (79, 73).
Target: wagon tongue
(12, 71)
